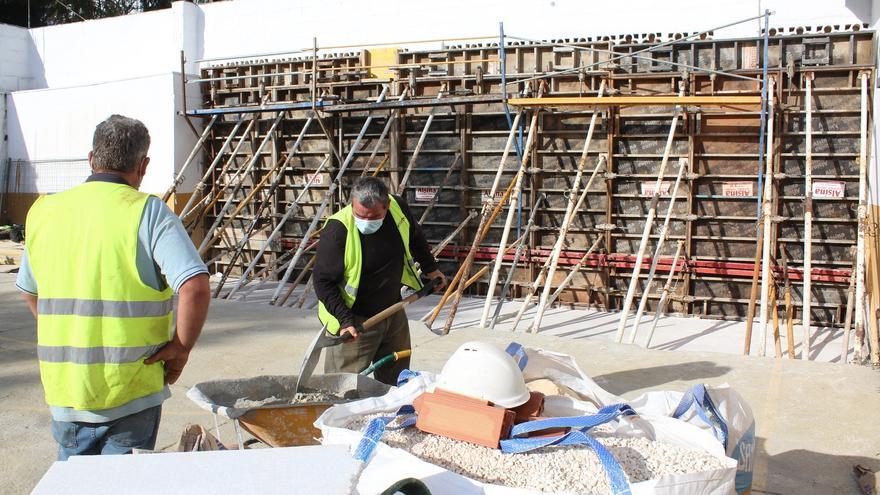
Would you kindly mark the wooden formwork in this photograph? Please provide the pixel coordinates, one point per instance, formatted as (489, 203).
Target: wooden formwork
(715, 216)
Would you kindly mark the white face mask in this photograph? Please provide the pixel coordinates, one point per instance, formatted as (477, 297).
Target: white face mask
(368, 227)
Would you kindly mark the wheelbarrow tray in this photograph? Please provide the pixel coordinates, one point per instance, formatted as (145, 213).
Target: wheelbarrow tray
(264, 405)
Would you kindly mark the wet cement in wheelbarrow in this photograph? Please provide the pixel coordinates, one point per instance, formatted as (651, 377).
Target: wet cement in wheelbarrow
(308, 397)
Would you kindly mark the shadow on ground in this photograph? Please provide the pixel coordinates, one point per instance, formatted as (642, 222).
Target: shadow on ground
(621, 382)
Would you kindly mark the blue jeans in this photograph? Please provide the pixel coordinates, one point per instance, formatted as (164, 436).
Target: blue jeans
(135, 431)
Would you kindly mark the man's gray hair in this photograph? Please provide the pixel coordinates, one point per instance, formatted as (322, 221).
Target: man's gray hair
(119, 144)
(370, 191)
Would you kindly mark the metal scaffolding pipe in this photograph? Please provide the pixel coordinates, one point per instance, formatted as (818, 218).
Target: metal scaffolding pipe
(808, 222)
(863, 221)
(649, 223)
(664, 233)
(664, 296)
(575, 201)
(210, 234)
(327, 197)
(189, 159)
(767, 219)
(415, 155)
(200, 186)
(516, 256)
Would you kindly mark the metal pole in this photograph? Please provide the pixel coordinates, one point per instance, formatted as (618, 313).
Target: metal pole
(439, 247)
(299, 277)
(209, 235)
(767, 219)
(415, 156)
(557, 249)
(527, 301)
(765, 84)
(511, 212)
(207, 202)
(443, 184)
(759, 226)
(388, 122)
(863, 219)
(258, 211)
(517, 184)
(661, 306)
(203, 182)
(327, 198)
(808, 222)
(487, 208)
(189, 159)
(516, 255)
(649, 223)
(575, 200)
(655, 259)
(574, 271)
(850, 295)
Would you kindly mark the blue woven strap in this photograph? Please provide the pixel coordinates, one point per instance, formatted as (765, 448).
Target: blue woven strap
(616, 477)
(405, 376)
(377, 427)
(705, 409)
(519, 354)
(578, 436)
(582, 423)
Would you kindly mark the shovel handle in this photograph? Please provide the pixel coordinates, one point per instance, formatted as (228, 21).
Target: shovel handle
(394, 308)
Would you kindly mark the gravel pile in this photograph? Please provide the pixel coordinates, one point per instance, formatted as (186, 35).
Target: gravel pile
(300, 398)
(553, 469)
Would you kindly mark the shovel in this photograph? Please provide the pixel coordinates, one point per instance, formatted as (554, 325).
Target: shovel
(324, 339)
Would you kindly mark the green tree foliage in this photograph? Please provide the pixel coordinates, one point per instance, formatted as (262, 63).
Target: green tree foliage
(50, 12)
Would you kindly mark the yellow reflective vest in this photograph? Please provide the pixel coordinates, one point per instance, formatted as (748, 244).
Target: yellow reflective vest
(96, 320)
(354, 260)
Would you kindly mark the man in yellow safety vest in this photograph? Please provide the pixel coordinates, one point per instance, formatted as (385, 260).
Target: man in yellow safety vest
(368, 250)
(101, 264)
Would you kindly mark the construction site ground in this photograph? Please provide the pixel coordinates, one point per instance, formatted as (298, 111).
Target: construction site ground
(815, 420)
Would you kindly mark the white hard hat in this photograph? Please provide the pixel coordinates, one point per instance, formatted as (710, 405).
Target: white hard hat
(483, 371)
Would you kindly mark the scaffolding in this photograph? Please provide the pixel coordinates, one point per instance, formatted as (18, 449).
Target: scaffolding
(447, 141)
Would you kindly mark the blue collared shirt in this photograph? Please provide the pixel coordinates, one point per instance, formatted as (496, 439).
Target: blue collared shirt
(165, 257)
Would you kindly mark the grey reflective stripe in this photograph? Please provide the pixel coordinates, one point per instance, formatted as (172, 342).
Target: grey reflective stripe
(95, 307)
(94, 355)
(351, 291)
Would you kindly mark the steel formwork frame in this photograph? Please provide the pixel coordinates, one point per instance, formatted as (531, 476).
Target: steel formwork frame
(715, 219)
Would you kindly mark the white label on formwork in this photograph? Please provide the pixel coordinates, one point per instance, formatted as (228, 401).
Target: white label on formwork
(828, 189)
(737, 189)
(649, 188)
(314, 179)
(750, 57)
(486, 198)
(425, 193)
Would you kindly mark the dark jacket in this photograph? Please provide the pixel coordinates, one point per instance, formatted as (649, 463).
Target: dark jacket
(379, 286)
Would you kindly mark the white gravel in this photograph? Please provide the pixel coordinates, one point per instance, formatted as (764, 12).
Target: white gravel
(552, 469)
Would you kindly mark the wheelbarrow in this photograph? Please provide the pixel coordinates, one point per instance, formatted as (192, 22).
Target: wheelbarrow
(264, 405)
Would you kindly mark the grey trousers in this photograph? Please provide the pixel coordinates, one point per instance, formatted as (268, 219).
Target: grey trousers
(388, 336)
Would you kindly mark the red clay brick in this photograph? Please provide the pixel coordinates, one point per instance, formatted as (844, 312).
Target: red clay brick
(463, 418)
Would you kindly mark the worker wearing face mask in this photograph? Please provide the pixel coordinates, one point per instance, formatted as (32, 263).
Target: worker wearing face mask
(368, 250)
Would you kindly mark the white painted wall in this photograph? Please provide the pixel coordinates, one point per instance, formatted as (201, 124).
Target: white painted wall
(16, 52)
(95, 67)
(150, 43)
(57, 124)
(243, 27)
(106, 49)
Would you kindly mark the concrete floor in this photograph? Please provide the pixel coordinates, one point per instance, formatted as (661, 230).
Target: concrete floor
(814, 420)
(672, 332)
